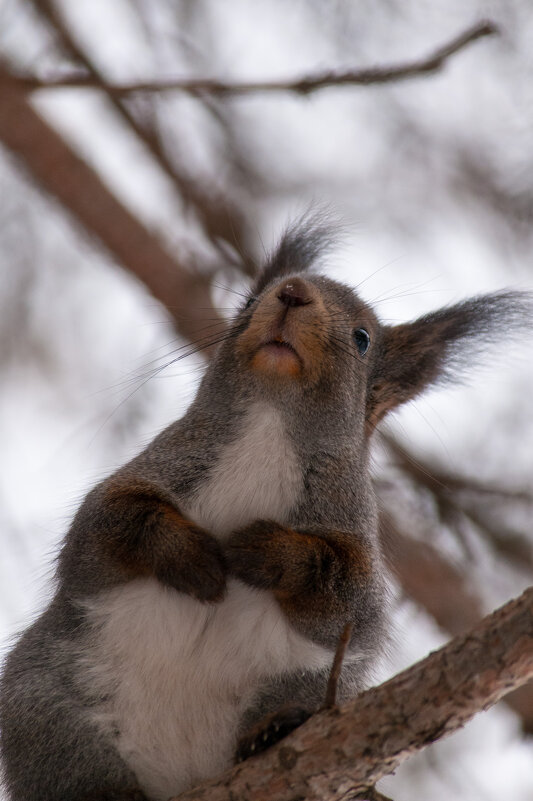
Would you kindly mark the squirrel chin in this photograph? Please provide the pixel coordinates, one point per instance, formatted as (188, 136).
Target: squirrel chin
(277, 358)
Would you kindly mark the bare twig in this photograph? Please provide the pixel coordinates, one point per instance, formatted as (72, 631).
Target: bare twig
(346, 750)
(451, 495)
(331, 690)
(218, 215)
(304, 86)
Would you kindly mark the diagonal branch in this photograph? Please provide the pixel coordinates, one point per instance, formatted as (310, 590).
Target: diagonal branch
(311, 83)
(218, 215)
(346, 750)
(448, 492)
(67, 177)
(430, 579)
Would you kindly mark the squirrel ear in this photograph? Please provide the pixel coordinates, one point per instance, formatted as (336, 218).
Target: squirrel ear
(440, 346)
(300, 246)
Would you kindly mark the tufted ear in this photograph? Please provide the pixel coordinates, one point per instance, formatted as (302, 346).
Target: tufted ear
(439, 346)
(300, 247)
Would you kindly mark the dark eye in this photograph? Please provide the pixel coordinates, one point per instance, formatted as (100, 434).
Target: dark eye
(362, 340)
(249, 302)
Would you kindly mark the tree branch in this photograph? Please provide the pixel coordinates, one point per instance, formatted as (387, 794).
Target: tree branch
(311, 83)
(444, 591)
(448, 493)
(348, 749)
(218, 214)
(71, 180)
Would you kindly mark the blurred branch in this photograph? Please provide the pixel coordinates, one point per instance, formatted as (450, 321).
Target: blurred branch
(477, 177)
(218, 215)
(63, 174)
(449, 494)
(304, 86)
(342, 752)
(430, 579)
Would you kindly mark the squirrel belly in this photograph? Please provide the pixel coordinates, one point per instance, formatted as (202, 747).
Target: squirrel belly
(179, 674)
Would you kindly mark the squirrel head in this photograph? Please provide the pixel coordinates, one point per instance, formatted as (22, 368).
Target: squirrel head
(309, 340)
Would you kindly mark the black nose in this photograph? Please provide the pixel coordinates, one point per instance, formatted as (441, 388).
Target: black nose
(294, 293)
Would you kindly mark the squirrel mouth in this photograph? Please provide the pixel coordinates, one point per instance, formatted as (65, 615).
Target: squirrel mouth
(278, 356)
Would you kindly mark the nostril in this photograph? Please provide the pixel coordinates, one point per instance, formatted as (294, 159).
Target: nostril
(294, 293)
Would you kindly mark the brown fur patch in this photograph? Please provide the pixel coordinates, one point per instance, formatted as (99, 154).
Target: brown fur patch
(145, 533)
(307, 572)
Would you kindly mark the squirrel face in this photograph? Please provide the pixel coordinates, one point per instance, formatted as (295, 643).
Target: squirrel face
(312, 344)
(307, 332)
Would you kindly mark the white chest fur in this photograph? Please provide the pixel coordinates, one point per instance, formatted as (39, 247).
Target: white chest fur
(256, 477)
(182, 673)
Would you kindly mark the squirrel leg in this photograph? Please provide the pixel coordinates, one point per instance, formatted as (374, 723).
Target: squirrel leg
(146, 534)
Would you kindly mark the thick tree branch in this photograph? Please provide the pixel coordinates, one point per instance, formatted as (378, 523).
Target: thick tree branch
(445, 592)
(62, 173)
(311, 83)
(342, 751)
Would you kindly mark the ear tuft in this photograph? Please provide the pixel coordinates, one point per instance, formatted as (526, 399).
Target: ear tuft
(442, 345)
(303, 242)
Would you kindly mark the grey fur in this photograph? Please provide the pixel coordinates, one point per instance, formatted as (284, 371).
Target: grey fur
(51, 748)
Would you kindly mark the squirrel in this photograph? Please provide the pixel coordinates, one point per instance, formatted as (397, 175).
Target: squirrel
(204, 585)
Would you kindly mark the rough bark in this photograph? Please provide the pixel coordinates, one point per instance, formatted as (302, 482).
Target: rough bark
(66, 176)
(444, 591)
(341, 752)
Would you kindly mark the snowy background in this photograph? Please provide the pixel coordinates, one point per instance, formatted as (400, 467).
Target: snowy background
(434, 180)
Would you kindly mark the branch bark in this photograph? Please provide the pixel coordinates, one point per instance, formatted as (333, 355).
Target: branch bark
(304, 86)
(343, 751)
(444, 591)
(67, 177)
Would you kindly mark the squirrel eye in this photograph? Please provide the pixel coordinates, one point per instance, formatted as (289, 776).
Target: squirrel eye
(249, 302)
(362, 340)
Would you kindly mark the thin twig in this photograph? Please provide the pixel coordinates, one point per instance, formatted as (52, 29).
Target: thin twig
(304, 86)
(331, 690)
(218, 214)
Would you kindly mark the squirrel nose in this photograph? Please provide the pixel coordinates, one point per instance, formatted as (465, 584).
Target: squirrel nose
(294, 293)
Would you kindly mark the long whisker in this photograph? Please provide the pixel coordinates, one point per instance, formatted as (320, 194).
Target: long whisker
(154, 373)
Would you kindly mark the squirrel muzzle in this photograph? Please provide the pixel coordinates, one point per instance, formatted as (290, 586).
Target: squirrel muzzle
(285, 338)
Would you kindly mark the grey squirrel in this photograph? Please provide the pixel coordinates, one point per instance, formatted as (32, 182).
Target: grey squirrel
(204, 585)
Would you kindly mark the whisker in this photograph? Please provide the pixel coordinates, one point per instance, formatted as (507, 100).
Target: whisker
(157, 371)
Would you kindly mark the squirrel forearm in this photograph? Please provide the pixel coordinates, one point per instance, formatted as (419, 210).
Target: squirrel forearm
(143, 533)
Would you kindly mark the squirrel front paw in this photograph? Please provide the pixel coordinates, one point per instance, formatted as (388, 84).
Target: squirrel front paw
(197, 566)
(269, 556)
